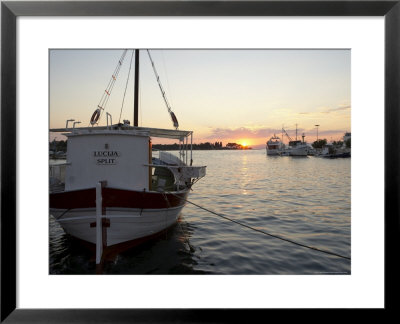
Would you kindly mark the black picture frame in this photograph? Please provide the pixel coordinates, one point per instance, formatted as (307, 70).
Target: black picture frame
(10, 10)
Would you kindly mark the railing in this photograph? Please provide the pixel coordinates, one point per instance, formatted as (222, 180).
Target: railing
(170, 158)
(185, 152)
(57, 172)
(167, 157)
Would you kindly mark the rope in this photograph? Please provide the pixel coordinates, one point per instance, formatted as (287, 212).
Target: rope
(106, 94)
(67, 210)
(265, 233)
(173, 117)
(166, 76)
(126, 86)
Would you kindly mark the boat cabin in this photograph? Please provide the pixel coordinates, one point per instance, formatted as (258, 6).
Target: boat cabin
(294, 143)
(123, 157)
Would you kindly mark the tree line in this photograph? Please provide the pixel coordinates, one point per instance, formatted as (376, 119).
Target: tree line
(61, 146)
(203, 146)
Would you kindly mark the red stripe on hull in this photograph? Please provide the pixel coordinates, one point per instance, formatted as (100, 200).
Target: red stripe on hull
(86, 198)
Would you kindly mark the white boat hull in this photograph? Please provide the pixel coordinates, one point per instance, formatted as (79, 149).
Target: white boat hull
(127, 215)
(298, 151)
(125, 224)
(273, 152)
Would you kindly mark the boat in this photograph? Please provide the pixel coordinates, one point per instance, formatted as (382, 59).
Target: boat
(114, 188)
(295, 147)
(337, 155)
(311, 151)
(285, 152)
(331, 151)
(298, 148)
(274, 146)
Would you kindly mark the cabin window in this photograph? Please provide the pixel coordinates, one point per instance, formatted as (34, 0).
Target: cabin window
(162, 179)
(57, 172)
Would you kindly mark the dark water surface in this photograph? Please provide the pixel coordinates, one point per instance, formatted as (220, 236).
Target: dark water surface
(306, 200)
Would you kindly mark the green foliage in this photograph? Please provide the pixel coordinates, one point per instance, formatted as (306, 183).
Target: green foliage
(337, 143)
(348, 143)
(319, 144)
(58, 146)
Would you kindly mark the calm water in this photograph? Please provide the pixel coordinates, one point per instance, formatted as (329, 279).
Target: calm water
(306, 200)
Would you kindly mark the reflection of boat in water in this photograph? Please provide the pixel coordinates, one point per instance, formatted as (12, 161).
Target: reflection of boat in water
(114, 189)
(274, 146)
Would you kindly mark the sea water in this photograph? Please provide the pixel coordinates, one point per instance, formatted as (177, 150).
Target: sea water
(305, 200)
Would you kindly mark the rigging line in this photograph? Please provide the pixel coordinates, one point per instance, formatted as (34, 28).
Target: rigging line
(263, 232)
(140, 106)
(166, 76)
(173, 117)
(126, 86)
(159, 83)
(113, 78)
(107, 92)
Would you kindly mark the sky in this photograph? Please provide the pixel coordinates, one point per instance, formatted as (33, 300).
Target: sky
(242, 96)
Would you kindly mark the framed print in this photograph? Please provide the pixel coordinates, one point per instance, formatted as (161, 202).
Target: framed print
(49, 46)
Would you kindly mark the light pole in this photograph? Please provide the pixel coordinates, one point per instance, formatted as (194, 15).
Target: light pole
(317, 131)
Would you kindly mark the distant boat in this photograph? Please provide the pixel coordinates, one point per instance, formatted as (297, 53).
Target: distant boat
(116, 189)
(298, 148)
(337, 155)
(311, 151)
(285, 152)
(334, 151)
(295, 147)
(346, 137)
(274, 146)
(331, 152)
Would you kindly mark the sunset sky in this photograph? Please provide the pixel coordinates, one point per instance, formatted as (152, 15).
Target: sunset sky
(222, 95)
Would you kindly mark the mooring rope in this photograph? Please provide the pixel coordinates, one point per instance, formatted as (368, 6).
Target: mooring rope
(64, 212)
(264, 232)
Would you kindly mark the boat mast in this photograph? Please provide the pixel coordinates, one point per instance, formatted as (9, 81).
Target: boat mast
(136, 98)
